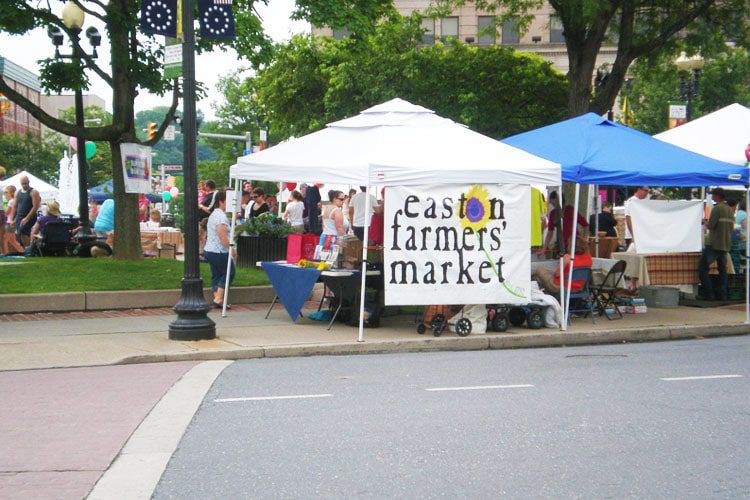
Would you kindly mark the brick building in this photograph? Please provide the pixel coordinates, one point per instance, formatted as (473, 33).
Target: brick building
(13, 119)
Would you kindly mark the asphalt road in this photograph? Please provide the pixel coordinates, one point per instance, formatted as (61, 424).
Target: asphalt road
(588, 422)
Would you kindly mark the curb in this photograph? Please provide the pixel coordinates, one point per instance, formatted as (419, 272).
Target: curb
(471, 343)
(123, 299)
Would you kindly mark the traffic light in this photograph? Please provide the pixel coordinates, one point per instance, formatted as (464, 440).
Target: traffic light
(151, 130)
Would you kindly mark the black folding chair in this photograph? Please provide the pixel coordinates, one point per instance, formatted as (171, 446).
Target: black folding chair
(604, 294)
(582, 301)
(55, 239)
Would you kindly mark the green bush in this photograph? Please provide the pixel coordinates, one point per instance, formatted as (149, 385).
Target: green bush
(266, 224)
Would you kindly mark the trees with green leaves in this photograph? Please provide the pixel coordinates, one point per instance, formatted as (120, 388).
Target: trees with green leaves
(313, 81)
(135, 66)
(725, 79)
(30, 153)
(99, 167)
(638, 28)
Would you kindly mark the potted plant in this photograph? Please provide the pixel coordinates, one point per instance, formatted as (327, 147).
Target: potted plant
(261, 238)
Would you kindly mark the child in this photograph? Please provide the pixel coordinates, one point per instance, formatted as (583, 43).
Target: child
(154, 221)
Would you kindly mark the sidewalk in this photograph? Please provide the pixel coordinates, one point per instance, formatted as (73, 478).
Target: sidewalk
(30, 341)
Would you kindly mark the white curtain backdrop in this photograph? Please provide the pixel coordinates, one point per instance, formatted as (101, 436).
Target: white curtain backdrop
(665, 226)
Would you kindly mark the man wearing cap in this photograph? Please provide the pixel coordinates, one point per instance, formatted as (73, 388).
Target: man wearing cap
(720, 225)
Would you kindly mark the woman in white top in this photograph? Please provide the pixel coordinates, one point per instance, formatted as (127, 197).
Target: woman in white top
(216, 250)
(333, 217)
(293, 214)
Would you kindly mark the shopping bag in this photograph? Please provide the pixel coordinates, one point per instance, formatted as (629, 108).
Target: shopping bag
(309, 241)
(294, 248)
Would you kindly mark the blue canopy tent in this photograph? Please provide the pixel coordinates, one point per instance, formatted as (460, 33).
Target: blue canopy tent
(594, 150)
(106, 191)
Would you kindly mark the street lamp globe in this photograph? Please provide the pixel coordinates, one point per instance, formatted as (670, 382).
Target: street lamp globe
(73, 16)
(685, 63)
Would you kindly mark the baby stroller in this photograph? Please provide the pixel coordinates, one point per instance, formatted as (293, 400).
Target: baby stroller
(501, 316)
(436, 318)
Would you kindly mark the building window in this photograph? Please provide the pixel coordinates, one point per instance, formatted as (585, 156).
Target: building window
(556, 30)
(340, 34)
(486, 30)
(448, 28)
(510, 35)
(428, 28)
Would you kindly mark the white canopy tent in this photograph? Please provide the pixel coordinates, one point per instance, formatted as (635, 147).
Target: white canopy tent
(395, 143)
(723, 135)
(47, 192)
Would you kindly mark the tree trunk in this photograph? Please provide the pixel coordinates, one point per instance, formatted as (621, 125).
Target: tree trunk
(127, 228)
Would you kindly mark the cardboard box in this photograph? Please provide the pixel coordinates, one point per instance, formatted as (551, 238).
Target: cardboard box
(353, 251)
(634, 309)
(167, 251)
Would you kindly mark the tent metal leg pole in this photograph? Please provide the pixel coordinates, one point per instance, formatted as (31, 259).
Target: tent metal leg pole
(572, 248)
(747, 256)
(361, 335)
(564, 323)
(597, 210)
(231, 246)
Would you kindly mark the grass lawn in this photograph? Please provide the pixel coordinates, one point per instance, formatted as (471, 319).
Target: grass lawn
(73, 274)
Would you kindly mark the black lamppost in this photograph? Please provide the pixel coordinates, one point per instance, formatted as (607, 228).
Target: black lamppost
(192, 322)
(73, 17)
(690, 74)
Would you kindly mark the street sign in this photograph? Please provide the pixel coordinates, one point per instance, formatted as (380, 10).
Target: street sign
(678, 111)
(175, 170)
(172, 58)
(677, 114)
(169, 133)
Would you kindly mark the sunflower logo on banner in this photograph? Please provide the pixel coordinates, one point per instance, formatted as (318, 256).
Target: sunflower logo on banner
(216, 19)
(457, 244)
(159, 17)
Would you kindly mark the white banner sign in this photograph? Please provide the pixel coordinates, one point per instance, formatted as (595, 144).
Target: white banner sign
(136, 167)
(457, 244)
(663, 226)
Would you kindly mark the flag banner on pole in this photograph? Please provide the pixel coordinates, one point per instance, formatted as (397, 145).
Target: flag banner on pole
(457, 244)
(216, 18)
(159, 17)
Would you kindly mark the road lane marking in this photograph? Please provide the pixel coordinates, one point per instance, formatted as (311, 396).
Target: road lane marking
(478, 387)
(699, 377)
(268, 398)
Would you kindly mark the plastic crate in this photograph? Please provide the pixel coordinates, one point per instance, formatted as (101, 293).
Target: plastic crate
(659, 296)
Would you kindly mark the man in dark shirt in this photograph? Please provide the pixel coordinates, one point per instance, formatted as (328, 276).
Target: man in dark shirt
(720, 225)
(607, 221)
(312, 199)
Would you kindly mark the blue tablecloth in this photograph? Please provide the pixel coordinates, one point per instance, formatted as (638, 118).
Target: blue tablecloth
(292, 285)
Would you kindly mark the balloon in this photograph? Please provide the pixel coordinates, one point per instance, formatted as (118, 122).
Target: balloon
(319, 185)
(166, 196)
(747, 152)
(174, 191)
(90, 150)
(73, 143)
(291, 185)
